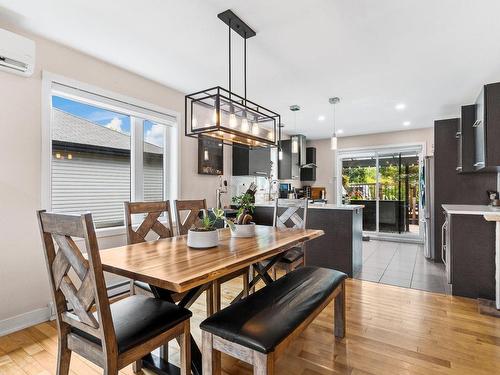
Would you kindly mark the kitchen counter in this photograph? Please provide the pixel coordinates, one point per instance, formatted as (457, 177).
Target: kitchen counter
(327, 206)
(470, 209)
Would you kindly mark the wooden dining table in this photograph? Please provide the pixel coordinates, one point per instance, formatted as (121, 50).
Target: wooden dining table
(169, 266)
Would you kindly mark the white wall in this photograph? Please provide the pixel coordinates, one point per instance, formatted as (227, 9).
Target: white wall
(24, 286)
(327, 161)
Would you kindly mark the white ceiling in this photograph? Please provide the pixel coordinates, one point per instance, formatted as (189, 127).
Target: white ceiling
(432, 55)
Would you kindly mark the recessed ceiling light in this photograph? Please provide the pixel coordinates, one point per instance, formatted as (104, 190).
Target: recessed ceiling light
(340, 131)
(400, 106)
(406, 123)
(321, 118)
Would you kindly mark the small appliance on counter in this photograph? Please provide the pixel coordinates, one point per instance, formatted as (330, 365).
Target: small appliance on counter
(494, 198)
(285, 190)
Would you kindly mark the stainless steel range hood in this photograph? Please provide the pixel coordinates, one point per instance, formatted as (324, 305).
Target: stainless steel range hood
(302, 159)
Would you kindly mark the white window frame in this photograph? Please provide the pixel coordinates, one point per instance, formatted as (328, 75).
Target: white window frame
(172, 179)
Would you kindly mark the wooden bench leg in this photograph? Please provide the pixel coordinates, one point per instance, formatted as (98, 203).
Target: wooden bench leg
(211, 358)
(339, 312)
(185, 349)
(263, 364)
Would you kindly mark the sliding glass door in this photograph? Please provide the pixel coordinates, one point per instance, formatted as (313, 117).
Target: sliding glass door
(386, 182)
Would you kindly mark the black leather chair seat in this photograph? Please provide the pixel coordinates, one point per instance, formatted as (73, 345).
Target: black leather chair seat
(139, 318)
(264, 319)
(142, 285)
(292, 255)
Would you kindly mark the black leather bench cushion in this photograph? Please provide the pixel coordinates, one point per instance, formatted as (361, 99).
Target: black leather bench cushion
(139, 318)
(264, 319)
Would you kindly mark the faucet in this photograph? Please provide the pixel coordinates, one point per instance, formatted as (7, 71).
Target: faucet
(222, 189)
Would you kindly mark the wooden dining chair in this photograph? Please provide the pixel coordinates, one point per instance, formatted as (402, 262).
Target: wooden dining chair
(151, 228)
(187, 213)
(290, 213)
(117, 334)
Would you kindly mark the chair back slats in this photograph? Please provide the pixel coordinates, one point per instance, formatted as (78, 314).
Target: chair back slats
(59, 230)
(153, 211)
(190, 208)
(290, 217)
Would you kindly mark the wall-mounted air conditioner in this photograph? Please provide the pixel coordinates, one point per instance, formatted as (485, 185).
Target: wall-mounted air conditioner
(17, 53)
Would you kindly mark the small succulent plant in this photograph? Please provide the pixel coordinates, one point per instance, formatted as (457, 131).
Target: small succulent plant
(245, 206)
(208, 221)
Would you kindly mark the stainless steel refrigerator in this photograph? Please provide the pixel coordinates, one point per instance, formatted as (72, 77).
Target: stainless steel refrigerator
(427, 198)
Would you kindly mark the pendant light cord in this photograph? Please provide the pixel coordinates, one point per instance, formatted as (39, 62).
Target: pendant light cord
(245, 66)
(229, 58)
(334, 125)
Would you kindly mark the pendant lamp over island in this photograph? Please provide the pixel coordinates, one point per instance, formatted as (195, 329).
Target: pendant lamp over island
(333, 142)
(229, 117)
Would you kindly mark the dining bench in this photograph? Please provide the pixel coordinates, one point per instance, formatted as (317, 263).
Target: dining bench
(258, 328)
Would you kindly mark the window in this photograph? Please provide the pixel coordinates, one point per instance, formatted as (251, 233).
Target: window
(105, 152)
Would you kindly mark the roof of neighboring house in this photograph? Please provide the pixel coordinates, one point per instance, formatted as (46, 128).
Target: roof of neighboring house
(69, 128)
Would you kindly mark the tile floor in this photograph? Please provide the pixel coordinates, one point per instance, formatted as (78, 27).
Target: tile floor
(401, 264)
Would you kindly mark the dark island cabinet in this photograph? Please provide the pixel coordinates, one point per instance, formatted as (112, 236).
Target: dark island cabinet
(251, 162)
(340, 248)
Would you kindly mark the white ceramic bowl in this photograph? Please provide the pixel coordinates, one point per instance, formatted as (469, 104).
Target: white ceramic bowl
(243, 230)
(202, 239)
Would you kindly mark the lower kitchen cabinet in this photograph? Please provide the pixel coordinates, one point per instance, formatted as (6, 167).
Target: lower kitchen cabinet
(472, 256)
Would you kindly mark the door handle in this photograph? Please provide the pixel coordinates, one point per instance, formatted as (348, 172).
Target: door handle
(444, 229)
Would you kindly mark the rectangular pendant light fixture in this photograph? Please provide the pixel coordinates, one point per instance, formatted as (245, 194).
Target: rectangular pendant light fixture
(218, 113)
(232, 119)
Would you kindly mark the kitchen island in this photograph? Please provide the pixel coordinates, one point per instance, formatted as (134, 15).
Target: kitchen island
(341, 246)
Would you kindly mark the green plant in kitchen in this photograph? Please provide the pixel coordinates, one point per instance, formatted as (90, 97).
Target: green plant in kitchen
(246, 207)
(208, 222)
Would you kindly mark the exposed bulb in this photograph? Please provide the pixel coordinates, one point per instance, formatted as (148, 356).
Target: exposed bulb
(244, 125)
(205, 155)
(270, 135)
(280, 154)
(233, 122)
(215, 117)
(333, 144)
(255, 128)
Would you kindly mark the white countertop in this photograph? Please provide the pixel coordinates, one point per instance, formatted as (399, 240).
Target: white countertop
(469, 209)
(350, 207)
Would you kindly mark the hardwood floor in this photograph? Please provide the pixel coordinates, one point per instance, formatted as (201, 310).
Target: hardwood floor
(390, 330)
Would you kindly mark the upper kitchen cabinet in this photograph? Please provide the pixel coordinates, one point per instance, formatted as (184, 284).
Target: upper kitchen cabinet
(251, 162)
(465, 139)
(486, 129)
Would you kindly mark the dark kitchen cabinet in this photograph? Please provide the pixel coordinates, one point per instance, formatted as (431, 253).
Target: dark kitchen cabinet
(285, 164)
(251, 162)
(486, 129)
(309, 173)
(472, 251)
(465, 139)
(451, 187)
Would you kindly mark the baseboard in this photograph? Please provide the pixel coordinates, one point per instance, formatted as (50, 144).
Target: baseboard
(25, 320)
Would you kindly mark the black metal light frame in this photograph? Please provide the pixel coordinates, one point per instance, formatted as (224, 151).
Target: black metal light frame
(223, 101)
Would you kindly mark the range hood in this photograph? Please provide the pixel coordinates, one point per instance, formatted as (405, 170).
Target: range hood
(300, 145)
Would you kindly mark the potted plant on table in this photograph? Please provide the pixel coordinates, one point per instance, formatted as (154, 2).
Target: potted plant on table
(204, 234)
(243, 225)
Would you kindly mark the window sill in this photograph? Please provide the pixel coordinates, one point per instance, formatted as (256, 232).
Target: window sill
(121, 230)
